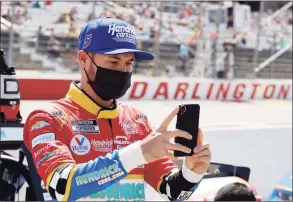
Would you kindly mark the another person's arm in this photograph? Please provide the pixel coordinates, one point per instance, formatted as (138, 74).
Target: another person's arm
(63, 177)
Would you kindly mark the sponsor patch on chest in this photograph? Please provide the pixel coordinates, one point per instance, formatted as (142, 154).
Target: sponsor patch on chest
(102, 145)
(121, 142)
(141, 116)
(80, 145)
(85, 126)
(129, 128)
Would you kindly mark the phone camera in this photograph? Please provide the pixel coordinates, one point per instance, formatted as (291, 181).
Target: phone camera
(182, 109)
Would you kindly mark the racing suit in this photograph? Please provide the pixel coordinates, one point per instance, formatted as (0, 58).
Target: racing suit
(84, 151)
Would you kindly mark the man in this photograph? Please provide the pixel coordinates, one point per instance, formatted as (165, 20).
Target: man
(89, 146)
(235, 192)
(184, 57)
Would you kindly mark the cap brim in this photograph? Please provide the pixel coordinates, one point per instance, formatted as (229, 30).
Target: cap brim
(139, 54)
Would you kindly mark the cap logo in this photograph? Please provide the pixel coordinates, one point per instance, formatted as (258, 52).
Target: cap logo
(122, 33)
(87, 41)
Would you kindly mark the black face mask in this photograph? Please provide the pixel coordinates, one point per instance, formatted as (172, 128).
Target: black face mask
(109, 84)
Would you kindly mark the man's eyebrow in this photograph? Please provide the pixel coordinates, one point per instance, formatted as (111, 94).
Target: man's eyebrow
(114, 57)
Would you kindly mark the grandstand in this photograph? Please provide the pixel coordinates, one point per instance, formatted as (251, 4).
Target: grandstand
(42, 42)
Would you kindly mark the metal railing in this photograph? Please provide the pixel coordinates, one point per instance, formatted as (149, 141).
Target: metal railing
(272, 58)
(278, 12)
(281, 51)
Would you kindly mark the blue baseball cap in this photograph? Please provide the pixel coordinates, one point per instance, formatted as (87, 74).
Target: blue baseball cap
(110, 36)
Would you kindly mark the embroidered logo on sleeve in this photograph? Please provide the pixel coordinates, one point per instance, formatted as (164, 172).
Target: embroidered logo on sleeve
(47, 156)
(45, 137)
(184, 195)
(39, 125)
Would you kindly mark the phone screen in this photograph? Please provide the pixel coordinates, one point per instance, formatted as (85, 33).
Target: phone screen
(187, 120)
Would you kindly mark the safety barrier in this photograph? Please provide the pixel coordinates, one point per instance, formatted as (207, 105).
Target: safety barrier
(43, 87)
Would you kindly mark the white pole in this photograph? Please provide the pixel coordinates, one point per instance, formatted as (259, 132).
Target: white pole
(272, 58)
(257, 44)
(11, 38)
(93, 14)
(278, 12)
(157, 40)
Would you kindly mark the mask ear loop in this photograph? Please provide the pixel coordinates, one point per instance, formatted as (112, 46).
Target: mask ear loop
(88, 78)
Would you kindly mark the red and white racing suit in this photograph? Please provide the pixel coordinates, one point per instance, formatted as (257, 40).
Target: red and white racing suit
(77, 148)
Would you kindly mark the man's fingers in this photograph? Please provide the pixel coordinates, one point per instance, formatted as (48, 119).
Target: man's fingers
(203, 159)
(199, 137)
(170, 155)
(164, 125)
(205, 152)
(178, 147)
(201, 147)
(178, 133)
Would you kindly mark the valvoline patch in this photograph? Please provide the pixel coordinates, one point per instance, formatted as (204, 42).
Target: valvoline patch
(80, 145)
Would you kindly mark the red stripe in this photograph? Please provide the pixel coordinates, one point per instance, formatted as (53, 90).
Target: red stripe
(43, 89)
(78, 141)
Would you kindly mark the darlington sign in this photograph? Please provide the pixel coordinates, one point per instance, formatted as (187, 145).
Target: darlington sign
(237, 90)
(152, 88)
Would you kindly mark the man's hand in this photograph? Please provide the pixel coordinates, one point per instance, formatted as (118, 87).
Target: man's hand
(199, 162)
(157, 145)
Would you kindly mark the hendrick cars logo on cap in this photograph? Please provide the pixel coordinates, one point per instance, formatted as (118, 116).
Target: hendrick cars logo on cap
(122, 33)
(110, 36)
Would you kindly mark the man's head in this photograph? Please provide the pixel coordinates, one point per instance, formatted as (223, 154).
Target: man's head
(107, 50)
(235, 192)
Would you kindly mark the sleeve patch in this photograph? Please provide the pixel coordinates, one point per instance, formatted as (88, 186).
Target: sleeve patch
(47, 156)
(43, 138)
(184, 195)
(39, 125)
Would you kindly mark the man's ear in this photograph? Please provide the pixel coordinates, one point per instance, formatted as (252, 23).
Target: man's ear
(82, 58)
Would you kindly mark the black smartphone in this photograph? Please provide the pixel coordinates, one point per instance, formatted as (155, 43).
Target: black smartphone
(187, 120)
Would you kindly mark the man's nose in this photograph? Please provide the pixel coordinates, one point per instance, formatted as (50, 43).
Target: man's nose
(125, 67)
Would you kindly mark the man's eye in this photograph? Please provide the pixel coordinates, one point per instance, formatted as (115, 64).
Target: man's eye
(113, 62)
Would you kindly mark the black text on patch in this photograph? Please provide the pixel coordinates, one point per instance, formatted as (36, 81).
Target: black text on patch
(85, 126)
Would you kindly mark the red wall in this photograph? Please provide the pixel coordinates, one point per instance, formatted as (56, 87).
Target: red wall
(43, 89)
